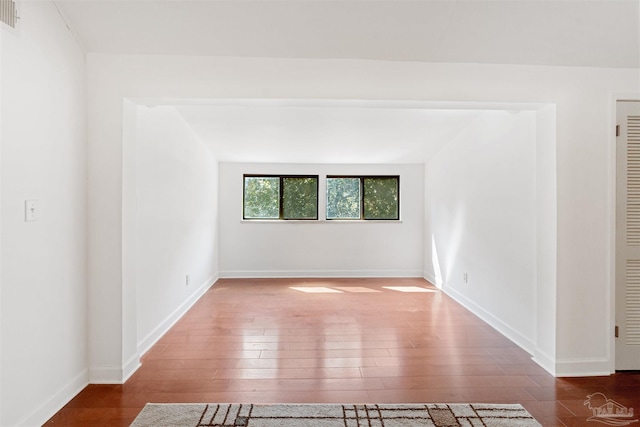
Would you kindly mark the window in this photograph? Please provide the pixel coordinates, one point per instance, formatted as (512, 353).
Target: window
(363, 197)
(280, 197)
(343, 198)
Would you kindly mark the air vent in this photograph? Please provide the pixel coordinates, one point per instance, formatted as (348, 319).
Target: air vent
(8, 13)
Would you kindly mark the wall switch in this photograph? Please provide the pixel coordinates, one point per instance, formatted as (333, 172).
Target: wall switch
(31, 210)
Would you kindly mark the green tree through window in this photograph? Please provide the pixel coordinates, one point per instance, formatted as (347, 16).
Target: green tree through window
(261, 197)
(363, 197)
(280, 197)
(343, 198)
(381, 198)
(300, 197)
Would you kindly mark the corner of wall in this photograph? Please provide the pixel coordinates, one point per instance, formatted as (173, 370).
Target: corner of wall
(431, 279)
(52, 405)
(106, 375)
(546, 239)
(583, 367)
(130, 367)
(545, 361)
(148, 341)
(520, 340)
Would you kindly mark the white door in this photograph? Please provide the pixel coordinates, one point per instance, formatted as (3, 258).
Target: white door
(628, 236)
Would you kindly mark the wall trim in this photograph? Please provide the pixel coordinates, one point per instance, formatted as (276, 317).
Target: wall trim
(147, 342)
(57, 401)
(105, 375)
(613, 171)
(516, 337)
(117, 375)
(431, 279)
(591, 367)
(130, 367)
(276, 274)
(546, 361)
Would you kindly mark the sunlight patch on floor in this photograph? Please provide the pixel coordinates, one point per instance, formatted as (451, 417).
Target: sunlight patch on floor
(409, 289)
(315, 290)
(356, 289)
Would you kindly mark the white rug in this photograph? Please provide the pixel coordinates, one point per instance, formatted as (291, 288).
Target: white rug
(333, 415)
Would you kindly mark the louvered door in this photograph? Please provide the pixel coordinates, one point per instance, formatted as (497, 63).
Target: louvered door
(8, 12)
(628, 237)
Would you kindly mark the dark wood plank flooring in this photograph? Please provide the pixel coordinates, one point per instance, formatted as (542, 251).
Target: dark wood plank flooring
(339, 341)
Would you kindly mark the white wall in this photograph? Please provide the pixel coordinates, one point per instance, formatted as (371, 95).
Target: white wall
(481, 211)
(1, 44)
(44, 277)
(321, 248)
(176, 226)
(582, 283)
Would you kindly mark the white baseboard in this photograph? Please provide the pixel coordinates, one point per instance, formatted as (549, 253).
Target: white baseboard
(120, 374)
(106, 375)
(147, 342)
(431, 279)
(583, 367)
(520, 340)
(130, 367)
(114, 374)
(52, 405)
(545, 361)
(556, 367)
(275, 274)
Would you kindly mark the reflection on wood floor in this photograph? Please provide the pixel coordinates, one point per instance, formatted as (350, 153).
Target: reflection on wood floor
(339, 341)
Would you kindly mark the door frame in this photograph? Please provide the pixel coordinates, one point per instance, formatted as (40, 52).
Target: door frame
(613, 188)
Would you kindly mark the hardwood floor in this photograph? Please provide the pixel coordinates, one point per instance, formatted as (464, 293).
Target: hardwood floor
(339, 341)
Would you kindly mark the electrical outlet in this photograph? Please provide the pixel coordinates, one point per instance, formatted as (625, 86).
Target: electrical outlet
(465, 277)
(187, 280)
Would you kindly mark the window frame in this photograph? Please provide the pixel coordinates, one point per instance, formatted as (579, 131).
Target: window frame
(280, 196)
(362, 197)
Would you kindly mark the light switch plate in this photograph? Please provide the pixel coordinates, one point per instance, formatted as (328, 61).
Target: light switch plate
(31, 210)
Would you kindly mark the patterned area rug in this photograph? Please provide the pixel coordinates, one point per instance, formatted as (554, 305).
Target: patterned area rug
(333, 415)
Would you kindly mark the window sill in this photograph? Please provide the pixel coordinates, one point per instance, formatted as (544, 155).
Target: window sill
(321, 221)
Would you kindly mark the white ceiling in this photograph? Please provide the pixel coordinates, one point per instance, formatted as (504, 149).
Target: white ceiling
(353, 132)
(598, 33)
(323, 135)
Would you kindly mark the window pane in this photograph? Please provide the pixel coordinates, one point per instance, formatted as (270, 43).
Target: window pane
(381, 198)
(261, 196)
(300, 198)
(343, 198)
